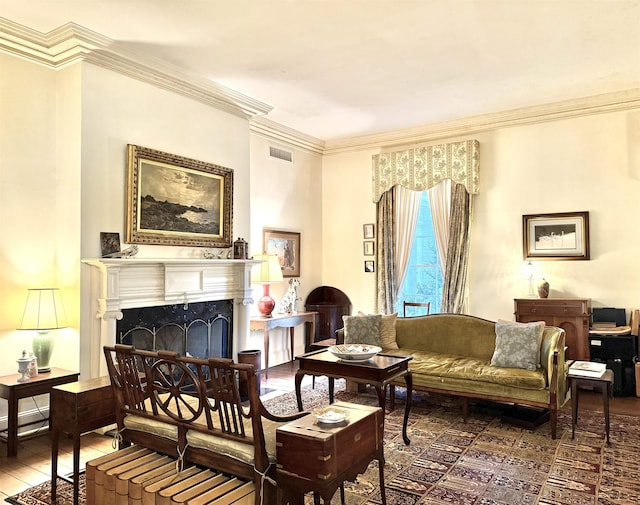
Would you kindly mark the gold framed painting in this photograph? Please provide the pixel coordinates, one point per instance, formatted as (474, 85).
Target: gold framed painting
(560, 236)
(173, 200)
(286, 246)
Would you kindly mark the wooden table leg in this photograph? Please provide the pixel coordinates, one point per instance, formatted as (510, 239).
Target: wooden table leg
(574, 407)
(606, 392)
(292, 332)
(55, 435)
(408, 379)
(12, 424)
(266, 353)
(298, 381)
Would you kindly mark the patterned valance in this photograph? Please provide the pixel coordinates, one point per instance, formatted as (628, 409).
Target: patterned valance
(423, 167)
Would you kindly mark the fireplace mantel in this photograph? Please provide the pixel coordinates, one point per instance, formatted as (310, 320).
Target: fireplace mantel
(132, 282)
(124, 283)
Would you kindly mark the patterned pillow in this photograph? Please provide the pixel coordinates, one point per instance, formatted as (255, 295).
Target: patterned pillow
(362, 329)
(388, 332)
(518, 345)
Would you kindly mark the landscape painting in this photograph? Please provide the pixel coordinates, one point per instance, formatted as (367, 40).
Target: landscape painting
(556, 236)
(174, 200)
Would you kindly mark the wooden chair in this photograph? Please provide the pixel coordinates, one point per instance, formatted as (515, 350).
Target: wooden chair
(191, 409)
(414, 304)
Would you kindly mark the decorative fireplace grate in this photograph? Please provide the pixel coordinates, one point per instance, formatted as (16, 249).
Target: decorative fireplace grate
(202, 329)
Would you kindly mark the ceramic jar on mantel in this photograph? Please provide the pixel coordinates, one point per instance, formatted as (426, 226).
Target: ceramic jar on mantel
(543, 289)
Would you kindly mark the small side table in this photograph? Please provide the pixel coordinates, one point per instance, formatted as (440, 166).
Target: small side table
(603, 384)
(13, 391)
(78, 408)
(290, 321)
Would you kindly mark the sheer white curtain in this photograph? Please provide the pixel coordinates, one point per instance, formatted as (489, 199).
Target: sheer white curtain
(440, 204)
(407, 208)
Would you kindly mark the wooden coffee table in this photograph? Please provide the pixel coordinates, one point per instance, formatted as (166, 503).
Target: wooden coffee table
(379, 371)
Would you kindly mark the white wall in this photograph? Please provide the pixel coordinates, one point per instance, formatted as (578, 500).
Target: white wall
(118, 110)
(588, 163)
(286, 196)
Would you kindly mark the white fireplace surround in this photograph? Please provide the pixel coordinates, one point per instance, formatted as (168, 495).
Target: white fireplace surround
(118, 284)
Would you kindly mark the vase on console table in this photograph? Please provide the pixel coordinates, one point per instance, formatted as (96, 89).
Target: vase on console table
(543, 289)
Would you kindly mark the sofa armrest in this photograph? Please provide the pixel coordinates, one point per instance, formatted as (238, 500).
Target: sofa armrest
(552, 358)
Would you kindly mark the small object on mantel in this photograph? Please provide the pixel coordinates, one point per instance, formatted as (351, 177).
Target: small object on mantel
(240, 249)
(129, 252)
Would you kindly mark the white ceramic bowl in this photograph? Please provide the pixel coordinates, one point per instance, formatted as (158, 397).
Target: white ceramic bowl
(354, 352)
(330, 415)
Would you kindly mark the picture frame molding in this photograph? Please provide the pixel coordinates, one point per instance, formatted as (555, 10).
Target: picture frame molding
(139, 157)
(269, 234)
(532, 224)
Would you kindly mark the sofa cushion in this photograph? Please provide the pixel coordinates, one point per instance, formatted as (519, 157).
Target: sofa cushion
(518, 345)
(444, 366)
(362, 329)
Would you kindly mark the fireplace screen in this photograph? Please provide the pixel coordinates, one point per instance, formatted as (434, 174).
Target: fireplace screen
(201, 330)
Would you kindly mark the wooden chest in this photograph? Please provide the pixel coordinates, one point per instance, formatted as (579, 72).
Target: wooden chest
(321, 452)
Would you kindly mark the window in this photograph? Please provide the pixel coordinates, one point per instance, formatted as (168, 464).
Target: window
(423, 282)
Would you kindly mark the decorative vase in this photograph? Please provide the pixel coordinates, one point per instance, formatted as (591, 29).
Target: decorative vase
(543, 289)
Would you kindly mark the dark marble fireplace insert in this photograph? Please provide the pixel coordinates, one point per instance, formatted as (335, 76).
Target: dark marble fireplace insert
(201, 329)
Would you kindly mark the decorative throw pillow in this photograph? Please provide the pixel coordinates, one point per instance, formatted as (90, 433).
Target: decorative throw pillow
(518, 345)
(362, 330)
(388, 332)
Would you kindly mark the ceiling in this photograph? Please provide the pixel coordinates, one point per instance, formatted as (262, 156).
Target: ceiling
(345, 68)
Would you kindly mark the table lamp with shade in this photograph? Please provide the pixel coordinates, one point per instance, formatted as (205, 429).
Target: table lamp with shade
(266, 273)
(43, 312)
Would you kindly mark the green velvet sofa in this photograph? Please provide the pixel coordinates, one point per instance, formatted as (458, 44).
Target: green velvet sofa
(452, 354)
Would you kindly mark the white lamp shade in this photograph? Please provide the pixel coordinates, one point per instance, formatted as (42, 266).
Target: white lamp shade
(267, 272)
(43, 310)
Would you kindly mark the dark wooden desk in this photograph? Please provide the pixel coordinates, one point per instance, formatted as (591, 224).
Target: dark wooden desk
(319, 457)
(13, 391)
(282, 321)
(379, 371)
(603, 384)
(75, 409)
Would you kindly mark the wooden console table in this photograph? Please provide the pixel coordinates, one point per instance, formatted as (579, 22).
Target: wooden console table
(570, 314)
(290, 321)
(75, 409)
(13, 391)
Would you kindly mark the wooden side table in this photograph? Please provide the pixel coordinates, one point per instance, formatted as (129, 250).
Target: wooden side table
(603, 384)
(13, 391)
(317, 457)
(290, 321)
(78, 408)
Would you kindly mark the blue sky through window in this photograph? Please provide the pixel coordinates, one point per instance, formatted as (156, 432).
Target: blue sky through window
(423, 282)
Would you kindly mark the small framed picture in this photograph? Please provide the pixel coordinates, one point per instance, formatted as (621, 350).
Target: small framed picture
(109, 243)
(368, 230)
(369, 266)
(369, 247)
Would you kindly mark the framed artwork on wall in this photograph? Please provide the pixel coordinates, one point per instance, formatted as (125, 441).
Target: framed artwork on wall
(368, 230)
(369, 266)
(173, 200)
(561, 236)
(369, 247)
(286, 246)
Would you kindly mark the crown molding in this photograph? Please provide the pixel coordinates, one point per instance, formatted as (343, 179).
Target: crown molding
(586, 106)
(275, 131)
(71, 43)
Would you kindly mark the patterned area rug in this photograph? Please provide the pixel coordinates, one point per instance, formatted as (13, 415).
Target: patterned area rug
(481, 462)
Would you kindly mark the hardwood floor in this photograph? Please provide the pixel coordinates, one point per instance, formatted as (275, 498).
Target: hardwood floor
(33, 463)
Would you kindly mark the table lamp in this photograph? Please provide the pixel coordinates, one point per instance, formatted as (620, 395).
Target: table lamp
(266, 273)
(43, 312)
